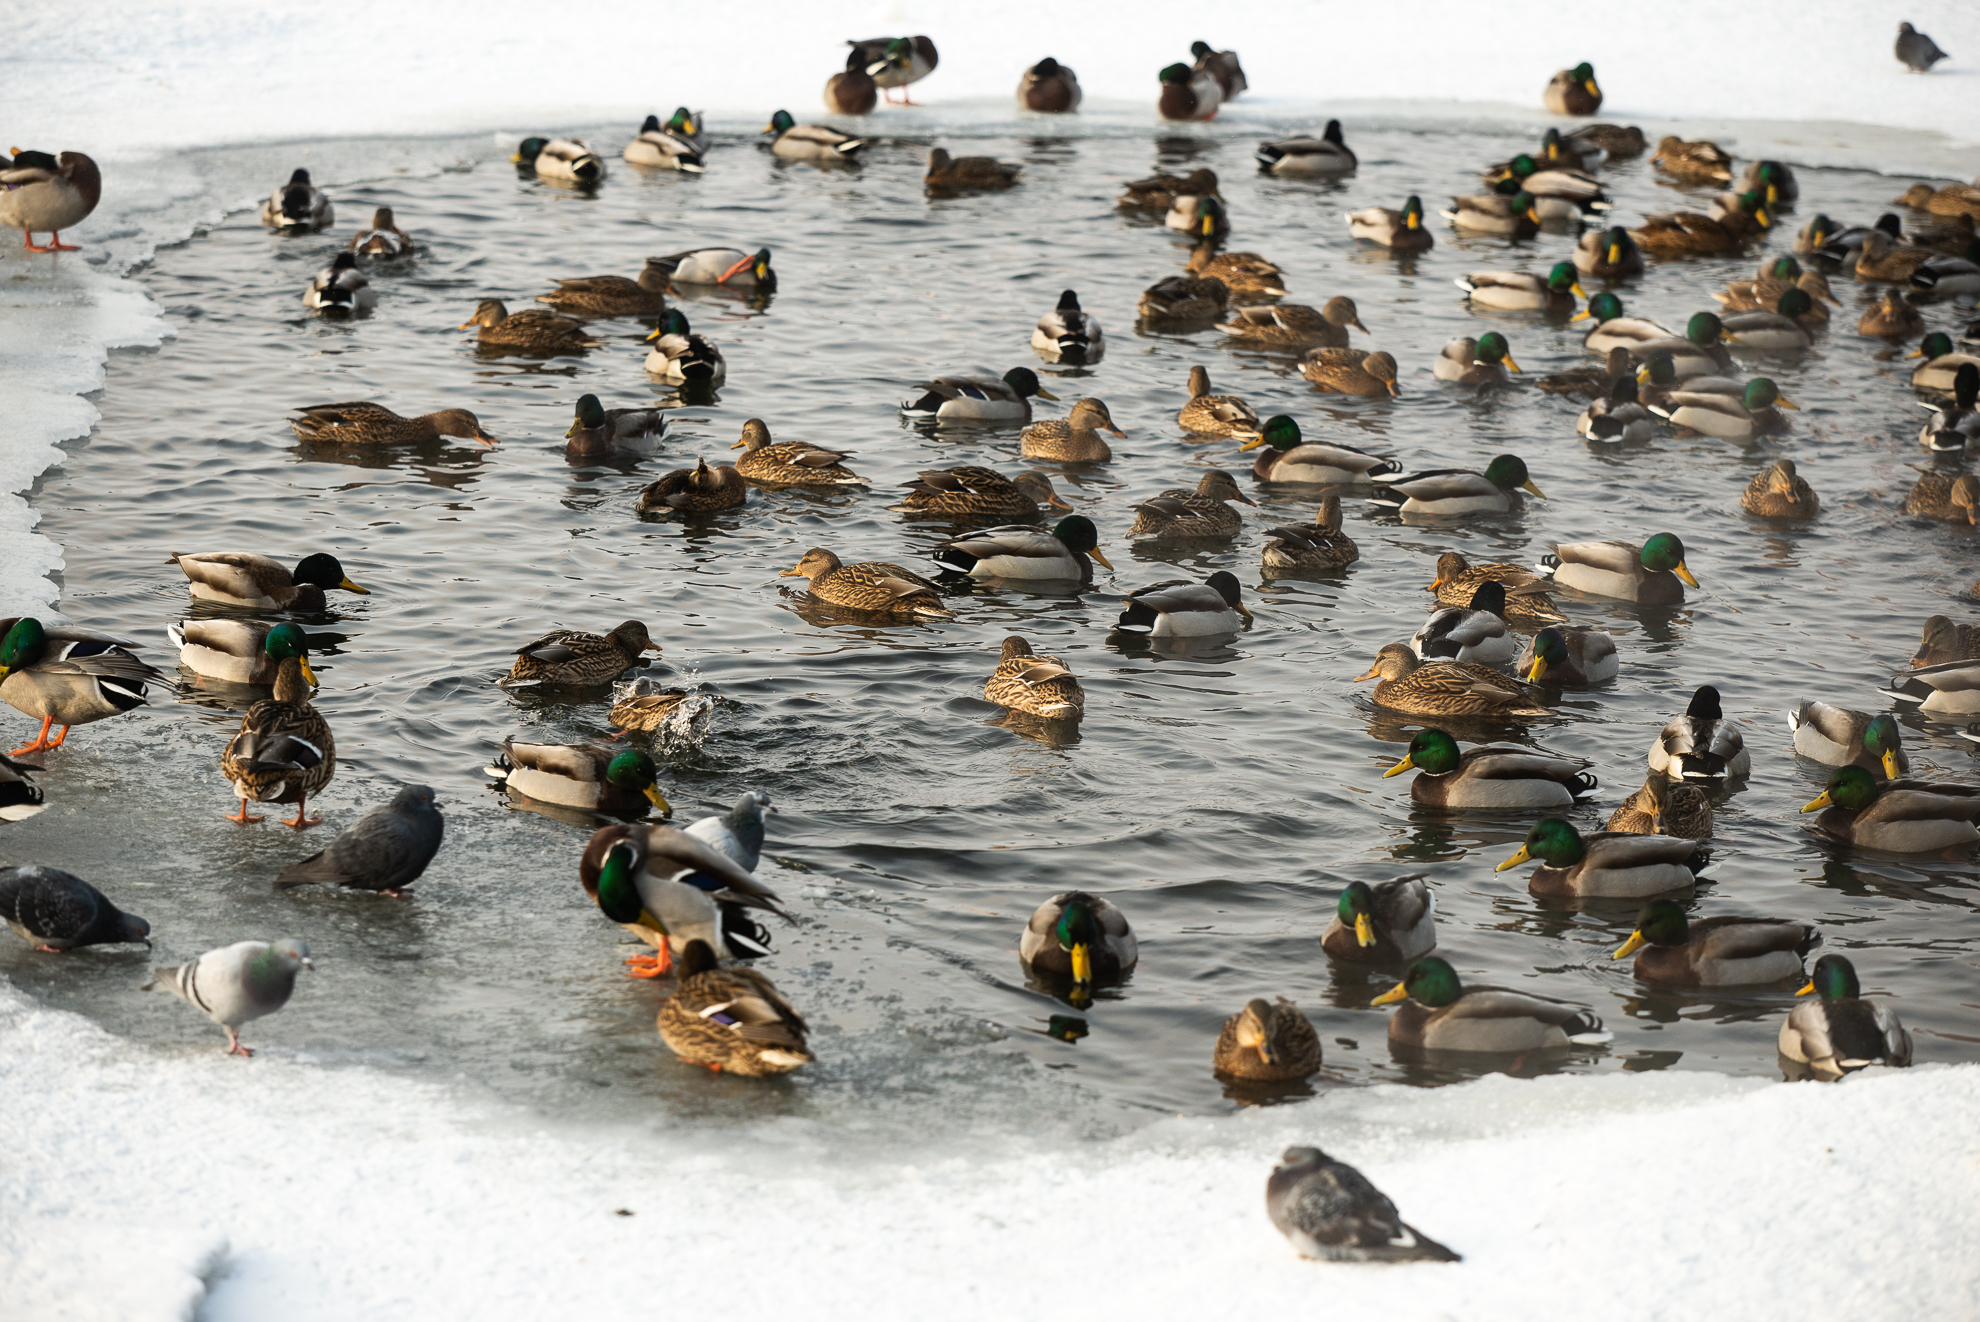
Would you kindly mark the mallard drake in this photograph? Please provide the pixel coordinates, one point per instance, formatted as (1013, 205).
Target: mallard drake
(1780, 331)
(1743, 215)
(1654, 574)
(1308, 158)
(1328, 1210)
(340, 288)
(1701, 744)
(580, 776)
(1573, 91)
(532, 331)
(597, 431)
(671, 888)
(1352, 372)
(852, 90)
(1939, 373)
(1286, 457)
(1440, 1013)
(1069, 333)
(1458, 581)
(569, 658)
(1609, 254)
(658, 148)
(1680, 232)
(1156, 195)
(255, 582)
(979, 398)
(298, 206)
(1569, 654)
(1248, 277)
(1693, 162)
(284, 751)
(1073, 439)
(979, 493)
(1416, 687)
(1577, 151)
(1181, 300)
(1049, 88)
(1899, 816)
(1266, 1042)
(643, 706)
(613, 295)
(1613, 330)
(1180, 515)
(1950, 277)
(1607, 864)
(1884, 258)
(791, 463)
(1940, 495)
(1294, 325)
(1205, 217)
(1222, 65)
(560, 158)
(48, 193)
(697, 490)
(1773, 180)
(1658, 377)
(1661, 808)
(731, 1019)
(1951, 688)
(1319, 547)
(968, 172)
(1560, 191)
(898, 61)
(1699, 351)
(1616, 141)
(1485, 361)
(1813, 238)
(1469, 633)
(1495, 213)
(1034, 682)
(1178, 608)
(20, 799)
(1845, 244)
(1523, 291)
(1215, 415)
(1942, 640)
(1711, 414)
(67, 676)
(1842, 1031)
(1893, 316)
(239, 651)
(1764, 288)
(1018, 551)
(731, 267)
(1188, 93)
(1389, 923)
(874, 587)
(1079, 939)
(1719, 952)
(1591, 382)
(1952, 427)
(1780, 493)
(1451, 492)
(1492, 776)
(1401, 231)
(1621, 418)
(360, 422)
(1839, 737)
(383, 239)
(678, 354)
(817, 143)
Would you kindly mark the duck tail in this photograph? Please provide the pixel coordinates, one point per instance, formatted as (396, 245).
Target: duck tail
(1584, 784)
(1268, 155)
(1139, 617)
(1585, 1030)
(954, 559)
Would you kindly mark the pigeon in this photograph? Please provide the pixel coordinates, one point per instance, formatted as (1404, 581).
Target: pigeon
(58, 911)
(236, 983)
(385, 851)
(1918, 51)
(19, 799)
(1329, 1210)
(737, 832)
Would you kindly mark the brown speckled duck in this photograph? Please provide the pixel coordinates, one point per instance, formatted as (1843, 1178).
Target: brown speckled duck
(968, 172)
(1316, 548)
(1178, 515)
(612, 295)
(1074, 438)
(971, 492)
(1033, 682)
(1780, 493)
(1267, 1042)
(1215, 415)
(789, 463)
(1693, 162)
(360, 422)
(873, 587)
(1351, 371)
(697, 490)
(284, 751)
(1294, 325)
(533, 330)
(572, 658)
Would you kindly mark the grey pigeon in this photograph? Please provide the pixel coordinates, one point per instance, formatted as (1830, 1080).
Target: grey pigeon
(737, 832)
(384, 851)
(236, 983)
(1328, 1209)
(1918, 51)
(58, 911)
(19, 799)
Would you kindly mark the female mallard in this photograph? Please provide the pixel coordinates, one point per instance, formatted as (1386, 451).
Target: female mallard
(1774, 279)
(1619, 419)
(298, 206)
(669, 887)
(1157, 194)
(1351, 372)
(731, 1019)
(597, 431)
(67, 676)
(1222, 65)
(1399, 231)
(817, 143)
(1179, 515)
(1266, 1042)
(1719, 952)
(1018, 551)
(239, 651)
(1049, 88)
(284, 751)
(1079, 939)
(1308, 158)
(533, 330)
(1203, 216)
(1693, 162)
(697, 490)
(1178, 608)
(658, 148)
(1940, 495)
(970, 492)
(1683, 232)
(1180, 300)
(1319, 547)
(1949, 200)
(1661, 808)
(1939, 373)
(1842, 1031)
(1609, 254)
(643, 706)
(580, 776)
(1440, 1013)
(978, 398)
(572, 659)
(678, 354)
(1034, 682)
(789, 463)
(1654, 574)
(1591, 382)
(1495, 213)
(1294, 325)
(1569, 654)
(1783, 330)
(1485, 361)
(1188, 94)
(975, 173)
(340, 288)
(1469, 633)
(1615, 141)
(1701, 744)
(1445, 688)
(1390, 923)
(1069, 333)
(1780, 493)
(1215, 415)
(254, 582)
(852, 90)
(1942, 640)
(1952, 427)
(560, 158)
(1248, 277)
(1573, 91)
(1884, 258)
(1453, 492)
(1286, 457)
(612, 295)
(360, 422)
(1073, 439)
(1492, 776)
(1607, 864)
(1900, 816)
(384, 238)
(1458, 581)
(1895, 317)
(874, 587)
(1839, 737)
(1524, 291)
(729, 267)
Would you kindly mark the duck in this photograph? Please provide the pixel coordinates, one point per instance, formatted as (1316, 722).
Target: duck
(968, 172)
(1950, 277)
(1319, 547)
(1458, 581)
(730, 267)
(299, 206)
(1939, 373)
(1416, 687)
(1247, 277)
(1614, 141)
(1773, 180)
(1710, 414)
(67, 676)
(678, 354)
(384, 238)
(1673, 951)
(1399, 231)
(1495, 213)
(1188, 94)
(1180, 515)
(1844, 244)
(898, 61)
(560, 158)
(1814, 237)
(1078, 939)
(697, 490)
(1183, 300)
(1352, 372)
(1842, 1031)
(1439, 1013)
(1954, 498)
(48, 193)
(254, 582)
(1560, 192)
(1693, 162)
(1701, 744)
(239, 651)
(663, 147)
(1780, 493)
(1492, 776)
(1621, 418)
(612, 295)
(1209, 414)
(1607, 864)
(1699, 351)
(1941, 640)
(340, 288)
(791, 463)
(1680, 232)
(1951, 688)
(1049, 88)
(1947, 200)
(1954, 426)
(1073, 439)
(1884, 258)
(979, 398)
(873, 587)
(1178, 608)
(1576, 152)
(1609, 254)
(1894, 316)
(643, 706)
(1661, 808)
(597, 431)
(1449, 492)
(1742, 215)
(571, 658)
(1069, 333)
(1775, 278)
(1266, 1042)
(970, 492)
(1573, 91)
(1569, 654)
(1222, 65)
(1613, 330)
(608, 780)
(820, 144)
(1524, 291)
(1019, 551)
(1658, 378)
(1779, 331)
(1485, 361)
(1391, 922)
(1654, 574)
(1475, 633)
(1285, 456)
(284, 751)
(1034, 682)
(1307, 157)
(361, 422)
(1205, 216)
(531, 331)
(1591, 383)
(1839, 737)
(671, 888)
(852, 90)
(1156, 195)
(732, 1019)
(1898, 816)
(1294, 325)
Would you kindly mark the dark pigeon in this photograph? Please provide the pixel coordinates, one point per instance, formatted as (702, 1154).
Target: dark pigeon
(1329, 1210)
(386, 850)
(58, 911)
(1918, 51)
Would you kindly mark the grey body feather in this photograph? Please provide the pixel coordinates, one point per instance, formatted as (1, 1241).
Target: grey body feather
(385, 850)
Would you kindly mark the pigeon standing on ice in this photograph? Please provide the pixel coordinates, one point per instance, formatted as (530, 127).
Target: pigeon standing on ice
(237, 983)
(58, 911)
(19, 799)
(737, 832)
(385, 851)
(1918, 51)
(1328, 1209)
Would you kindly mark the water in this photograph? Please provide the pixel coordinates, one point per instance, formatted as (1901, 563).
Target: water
(1221, 796)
